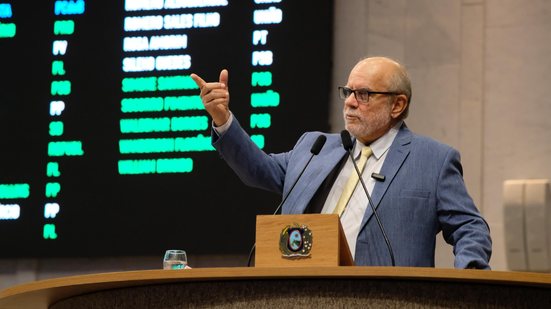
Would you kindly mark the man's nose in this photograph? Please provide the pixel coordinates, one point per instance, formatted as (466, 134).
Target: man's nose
(351, 101)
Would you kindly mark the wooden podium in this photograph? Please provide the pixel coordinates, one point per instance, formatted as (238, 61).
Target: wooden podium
(281, 282)
(296, 287)
(328, 243)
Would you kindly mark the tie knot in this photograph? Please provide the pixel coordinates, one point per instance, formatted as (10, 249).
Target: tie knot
(366, 151)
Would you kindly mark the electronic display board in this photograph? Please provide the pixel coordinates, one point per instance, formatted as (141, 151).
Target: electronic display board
(105, 145)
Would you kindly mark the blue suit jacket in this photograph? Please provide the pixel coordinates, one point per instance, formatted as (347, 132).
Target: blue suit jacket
(423, 193)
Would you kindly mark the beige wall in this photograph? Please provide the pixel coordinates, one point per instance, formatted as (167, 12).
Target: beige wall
(480, 71)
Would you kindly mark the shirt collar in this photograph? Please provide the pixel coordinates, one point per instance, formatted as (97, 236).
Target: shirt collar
(381, 145)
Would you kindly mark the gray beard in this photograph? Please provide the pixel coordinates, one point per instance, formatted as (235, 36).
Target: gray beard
(368, 128)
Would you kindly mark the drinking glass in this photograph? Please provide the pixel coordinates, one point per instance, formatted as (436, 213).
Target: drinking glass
(175, 259)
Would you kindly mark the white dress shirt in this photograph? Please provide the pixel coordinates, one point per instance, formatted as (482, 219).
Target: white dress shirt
(353, 214)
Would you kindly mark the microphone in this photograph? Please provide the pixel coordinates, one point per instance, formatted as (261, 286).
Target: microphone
(315, 150)
(348, 145)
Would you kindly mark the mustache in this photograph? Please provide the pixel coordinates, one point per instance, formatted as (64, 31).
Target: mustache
(352, 114)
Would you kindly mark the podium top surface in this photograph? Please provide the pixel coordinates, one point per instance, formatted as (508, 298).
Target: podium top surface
(41, 294)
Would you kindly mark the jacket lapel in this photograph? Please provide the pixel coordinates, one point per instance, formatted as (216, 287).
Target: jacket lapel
(315, 174)
(397, 154)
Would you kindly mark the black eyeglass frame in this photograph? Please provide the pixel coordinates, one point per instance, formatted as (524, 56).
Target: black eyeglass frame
(343, 90)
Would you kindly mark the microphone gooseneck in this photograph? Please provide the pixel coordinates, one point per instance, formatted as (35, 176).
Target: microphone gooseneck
(348, 145)
(315, 150)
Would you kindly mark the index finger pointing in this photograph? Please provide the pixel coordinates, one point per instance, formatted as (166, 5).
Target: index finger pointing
(198, 80)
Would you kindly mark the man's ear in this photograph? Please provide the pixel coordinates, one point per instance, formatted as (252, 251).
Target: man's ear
(399, 106)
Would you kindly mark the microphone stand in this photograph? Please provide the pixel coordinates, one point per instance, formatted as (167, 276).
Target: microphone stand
(347, 144)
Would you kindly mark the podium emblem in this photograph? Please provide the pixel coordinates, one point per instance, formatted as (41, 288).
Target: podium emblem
(295, 241)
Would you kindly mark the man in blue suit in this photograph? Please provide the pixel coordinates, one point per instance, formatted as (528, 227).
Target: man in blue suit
(416, 183)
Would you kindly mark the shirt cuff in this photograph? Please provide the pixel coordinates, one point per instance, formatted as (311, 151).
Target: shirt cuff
(223, 128)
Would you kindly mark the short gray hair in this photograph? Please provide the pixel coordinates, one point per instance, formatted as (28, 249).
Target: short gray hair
(400, 83)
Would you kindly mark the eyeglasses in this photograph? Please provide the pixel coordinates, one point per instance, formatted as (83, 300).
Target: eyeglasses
(361, 95)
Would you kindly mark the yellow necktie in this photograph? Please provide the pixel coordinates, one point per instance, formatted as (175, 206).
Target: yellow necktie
(352, 182)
